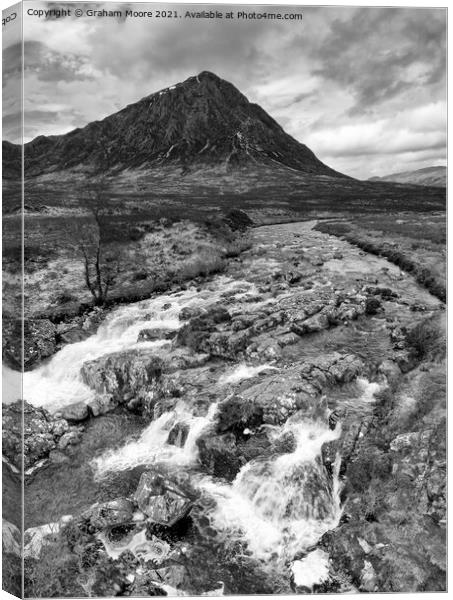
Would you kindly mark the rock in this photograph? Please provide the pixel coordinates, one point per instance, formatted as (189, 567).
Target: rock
(74, 413)
(178, 434)
(385, 293)
(58, 458)
(390, 370)
(39, 339)
(158, 333)
(293, 277)
(190, 312)
(372, 305)
(41, 433)
(37, 537)
(104, 403)
(219, 454)
(122, 373)
(227, 344)
(337, 255)
(313, 324)
(162, 501)
(183, 358)
(200, 326)
(69, 439)
(107, 514)
(72, 336)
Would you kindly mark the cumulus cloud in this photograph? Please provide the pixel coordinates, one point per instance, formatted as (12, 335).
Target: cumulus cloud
(363, 87)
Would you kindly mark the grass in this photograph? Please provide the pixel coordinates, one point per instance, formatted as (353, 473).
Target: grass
(413, 242)
(152, 255)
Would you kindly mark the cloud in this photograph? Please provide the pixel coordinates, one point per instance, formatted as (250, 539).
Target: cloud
(363, 87)
(380, 53)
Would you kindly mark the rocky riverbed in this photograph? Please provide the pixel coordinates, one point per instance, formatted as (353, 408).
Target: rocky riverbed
(262, 432)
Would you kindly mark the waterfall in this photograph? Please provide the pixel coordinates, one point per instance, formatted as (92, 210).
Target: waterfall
(152, 447)
(58, 382)
(282, 505)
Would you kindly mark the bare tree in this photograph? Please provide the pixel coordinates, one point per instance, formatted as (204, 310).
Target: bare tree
(101, 256)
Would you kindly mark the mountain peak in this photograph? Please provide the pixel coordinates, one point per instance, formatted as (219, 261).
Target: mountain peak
(200, 123)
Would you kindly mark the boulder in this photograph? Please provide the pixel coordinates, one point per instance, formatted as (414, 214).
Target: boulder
(107, 514)
(372, 305)
(161, 500)
(101, 404)
(157, 333)
(74, 413)
(122, 373)
(74, 335)
(178, 434)
(195, 333)
(41, 433)
(219, 454)
(39, 338)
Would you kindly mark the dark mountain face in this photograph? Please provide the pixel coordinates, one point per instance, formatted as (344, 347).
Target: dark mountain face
(200, 123)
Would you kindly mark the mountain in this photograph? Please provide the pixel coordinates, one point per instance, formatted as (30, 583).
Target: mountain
(203, 122)
(432, 176)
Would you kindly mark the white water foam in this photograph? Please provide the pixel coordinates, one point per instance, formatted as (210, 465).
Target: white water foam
(283, 505)
(311, 570)
(151, 447)
(368, 389)
(58, 382)
(243, 371)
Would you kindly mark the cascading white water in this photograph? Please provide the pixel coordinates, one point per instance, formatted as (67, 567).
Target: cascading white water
(243, 371)
(58, 382)
(282, 505)
(151, 447)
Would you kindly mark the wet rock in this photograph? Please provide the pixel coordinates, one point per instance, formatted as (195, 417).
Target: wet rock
(372, 306)
(157, 333)
(390, 370)
(196, 332)
(122, 373)
(39, 339)
(41, 432)
(226, 344)
(293, 277)
(190, 312)
(331, 369)
(385, 293)
(104, 403)
(74, 335)
(69, 439)
(181, 358)
(107, 514)
(233, 414)
(161, 500)
(178, 435)
(313, 324)
(74, 413)
(219, 455)
(58, 458)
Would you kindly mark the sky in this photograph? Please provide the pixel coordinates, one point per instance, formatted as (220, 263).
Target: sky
(364, 88)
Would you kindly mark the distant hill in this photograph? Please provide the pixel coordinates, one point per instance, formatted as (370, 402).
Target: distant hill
(433, 176)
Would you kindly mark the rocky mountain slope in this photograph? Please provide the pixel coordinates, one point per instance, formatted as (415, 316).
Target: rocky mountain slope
(433, 176)
(201, 122)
